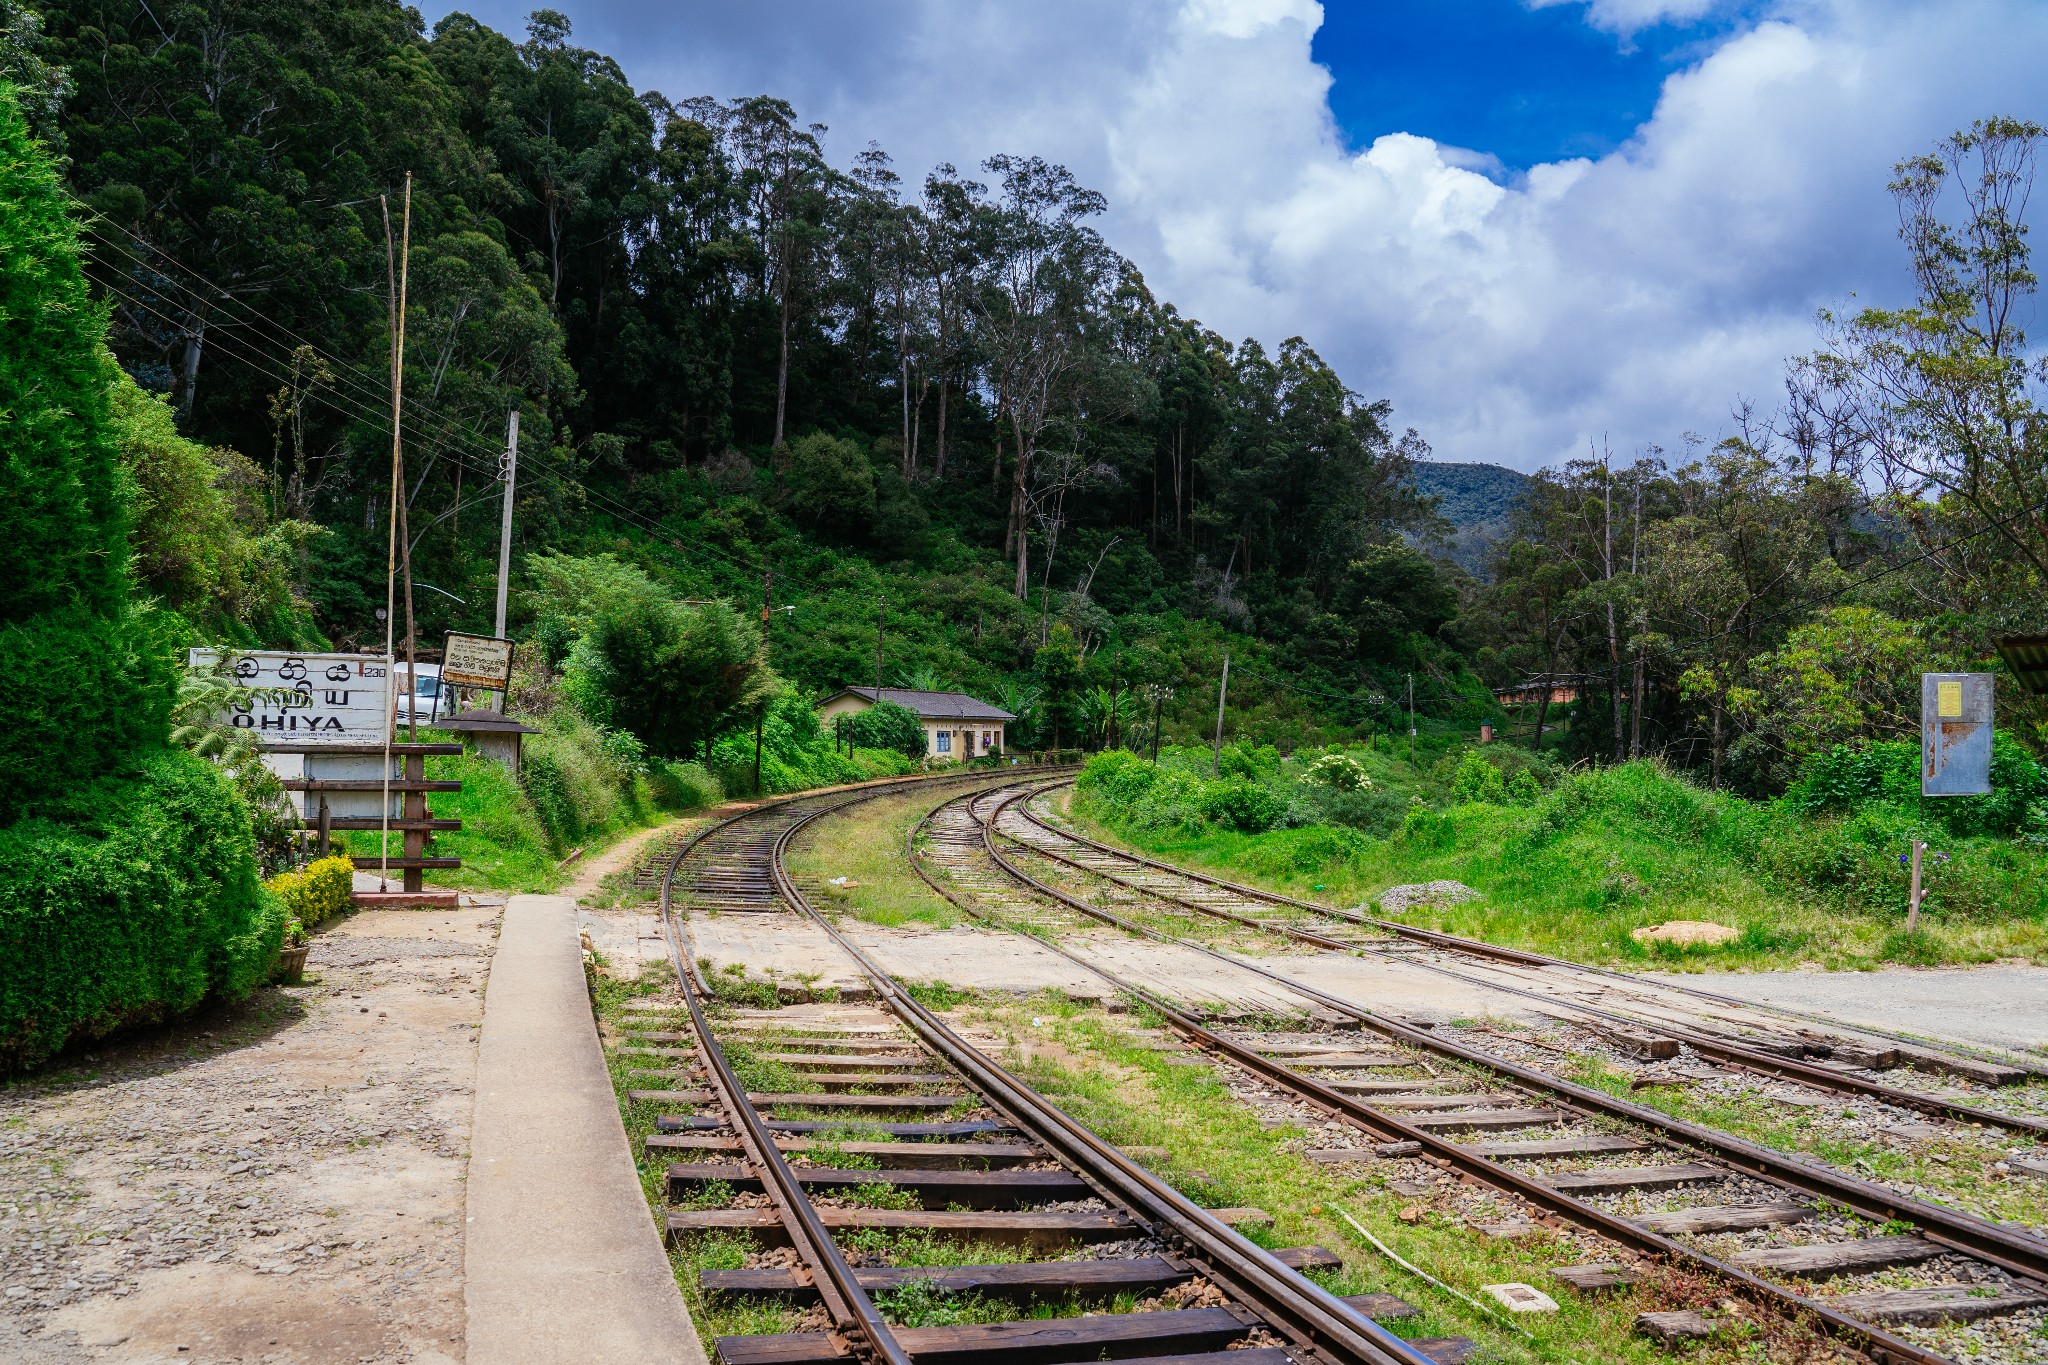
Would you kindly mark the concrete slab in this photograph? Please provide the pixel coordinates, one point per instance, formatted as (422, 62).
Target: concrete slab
(2002, 1006)
(562, 1260)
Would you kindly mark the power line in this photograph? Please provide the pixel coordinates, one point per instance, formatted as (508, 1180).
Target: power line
(440, 442)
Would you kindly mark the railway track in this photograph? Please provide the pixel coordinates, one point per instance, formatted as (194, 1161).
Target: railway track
(1662, 1187)
(1733, 1032)
(903, 1132)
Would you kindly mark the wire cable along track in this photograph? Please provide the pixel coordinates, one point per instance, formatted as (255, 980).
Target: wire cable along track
(1528, 1133)
(958, 1149)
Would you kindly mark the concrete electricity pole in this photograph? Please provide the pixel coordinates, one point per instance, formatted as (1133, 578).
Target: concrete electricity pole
(505, 521)
(1222, 693)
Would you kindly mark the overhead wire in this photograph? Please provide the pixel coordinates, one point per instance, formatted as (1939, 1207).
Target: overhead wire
(441, 441)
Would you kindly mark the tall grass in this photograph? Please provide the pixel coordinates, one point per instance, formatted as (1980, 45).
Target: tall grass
(1605, 852)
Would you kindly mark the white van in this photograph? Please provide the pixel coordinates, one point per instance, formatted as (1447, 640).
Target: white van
(426, 693)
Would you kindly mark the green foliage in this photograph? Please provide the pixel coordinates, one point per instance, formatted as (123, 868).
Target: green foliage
(1241, 804)
(1476, 780)
(798, 754)
(90, 686)
(317, 894)
(831, 485)
(887, 725)
(641, 661)
(1851, 780)
(151, 909)
(203, 544)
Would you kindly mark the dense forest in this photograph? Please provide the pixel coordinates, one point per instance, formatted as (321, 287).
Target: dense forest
(942, 407)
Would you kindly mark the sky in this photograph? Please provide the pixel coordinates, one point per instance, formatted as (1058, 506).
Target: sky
(1537, 226)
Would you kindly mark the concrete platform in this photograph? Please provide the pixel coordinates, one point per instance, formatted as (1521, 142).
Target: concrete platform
(562, 1259)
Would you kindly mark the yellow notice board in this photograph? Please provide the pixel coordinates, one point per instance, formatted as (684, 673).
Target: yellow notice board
(1948, 700)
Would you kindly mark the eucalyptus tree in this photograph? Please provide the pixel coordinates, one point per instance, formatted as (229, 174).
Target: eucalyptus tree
(1046, 272)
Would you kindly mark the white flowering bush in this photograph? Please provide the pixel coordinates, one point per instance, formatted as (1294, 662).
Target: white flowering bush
(1339, 772)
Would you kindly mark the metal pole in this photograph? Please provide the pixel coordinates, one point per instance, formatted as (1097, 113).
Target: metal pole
(1222, 693)
(1913, 897)
(1411, 722)
(505, 520)
(1158, 700)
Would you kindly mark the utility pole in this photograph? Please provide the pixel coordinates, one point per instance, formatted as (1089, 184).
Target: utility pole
(761, 716)
(511, 478)
(1411, 722)
(505, 518)
(881, 610)
(1222, 693)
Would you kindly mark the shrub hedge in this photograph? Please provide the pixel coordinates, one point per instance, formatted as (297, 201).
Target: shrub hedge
(146, 912)
(317, 894)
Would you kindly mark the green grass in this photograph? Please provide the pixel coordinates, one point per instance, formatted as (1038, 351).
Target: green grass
(502, 843)
(1221, 1156)
(1654, 850)
(865, 845)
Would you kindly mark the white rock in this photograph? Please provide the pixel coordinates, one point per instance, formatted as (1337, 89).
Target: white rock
(1521, 1298)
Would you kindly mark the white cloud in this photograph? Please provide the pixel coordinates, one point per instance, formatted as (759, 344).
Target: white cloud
(1636, 296)
(1633, 16)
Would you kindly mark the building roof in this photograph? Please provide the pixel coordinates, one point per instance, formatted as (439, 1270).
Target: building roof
(932, 705)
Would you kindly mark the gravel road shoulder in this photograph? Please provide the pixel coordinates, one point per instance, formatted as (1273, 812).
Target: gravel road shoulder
(279, 1181)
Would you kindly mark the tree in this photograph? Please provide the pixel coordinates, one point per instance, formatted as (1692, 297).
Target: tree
(675, 676)
(1046, 269)
(40, 86)
(91, 687)
(1851, 675)
(1060, 675)
(831, 484)
(1946, 394)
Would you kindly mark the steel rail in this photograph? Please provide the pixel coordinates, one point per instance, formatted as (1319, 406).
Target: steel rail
(2019, 1254)
(1293, 1303)
(1459, 943)
(1883, 1345)
(1734, 1054)
(847, 1304)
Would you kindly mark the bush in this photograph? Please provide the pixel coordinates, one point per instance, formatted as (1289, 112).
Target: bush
(1339, 772)
(887, 725)
(149, 911)
(317, 894)
(1477, 782)
(1241, 804)
(684, 786)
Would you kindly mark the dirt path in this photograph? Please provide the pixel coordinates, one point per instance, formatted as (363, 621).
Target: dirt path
(277, 1182)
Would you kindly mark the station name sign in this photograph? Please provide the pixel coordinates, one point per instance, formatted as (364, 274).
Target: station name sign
(318, 699)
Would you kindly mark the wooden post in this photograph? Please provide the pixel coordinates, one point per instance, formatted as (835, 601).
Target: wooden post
(415, 810)
(326, 828)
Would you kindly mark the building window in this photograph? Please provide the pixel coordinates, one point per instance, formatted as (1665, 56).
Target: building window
(945, 741)
(988, 740)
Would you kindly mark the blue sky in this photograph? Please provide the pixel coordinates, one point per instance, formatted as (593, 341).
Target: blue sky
(1536, 226)
(1496, 76)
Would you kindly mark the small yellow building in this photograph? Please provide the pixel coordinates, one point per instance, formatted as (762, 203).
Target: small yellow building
(957, 727)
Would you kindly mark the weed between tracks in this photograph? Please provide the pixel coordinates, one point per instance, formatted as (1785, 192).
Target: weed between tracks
(1958, 1169)
(1221, 1156)
(864, 844)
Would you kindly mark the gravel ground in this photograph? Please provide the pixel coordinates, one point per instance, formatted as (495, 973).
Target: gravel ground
(280, 1181)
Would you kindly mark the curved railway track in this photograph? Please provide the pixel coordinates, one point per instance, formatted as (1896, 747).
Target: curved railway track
(1532, 1141)
(984, 1159)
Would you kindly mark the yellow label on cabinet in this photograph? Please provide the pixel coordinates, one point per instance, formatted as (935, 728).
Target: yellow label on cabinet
(1948, 701)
